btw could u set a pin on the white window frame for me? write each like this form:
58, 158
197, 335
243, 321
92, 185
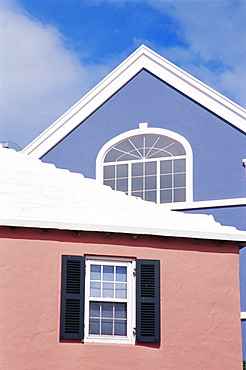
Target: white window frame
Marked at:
144, 129
130, 300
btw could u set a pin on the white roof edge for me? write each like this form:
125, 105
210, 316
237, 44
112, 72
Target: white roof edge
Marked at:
239, 237
217, 203
243, 315
34, 194
142, 58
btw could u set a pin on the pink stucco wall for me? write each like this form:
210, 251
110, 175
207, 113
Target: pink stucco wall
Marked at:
200, 326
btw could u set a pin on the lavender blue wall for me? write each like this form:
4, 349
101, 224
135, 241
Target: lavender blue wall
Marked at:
218, 147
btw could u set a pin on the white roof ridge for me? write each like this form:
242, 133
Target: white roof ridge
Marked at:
142, 58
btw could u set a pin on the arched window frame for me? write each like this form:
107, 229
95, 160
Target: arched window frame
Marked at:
145, 130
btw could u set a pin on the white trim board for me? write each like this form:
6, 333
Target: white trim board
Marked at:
142, 58
218, 203
227, 233
243, 315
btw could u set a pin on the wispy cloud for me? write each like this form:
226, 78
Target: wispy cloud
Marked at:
214, 34
40, 77
210, 43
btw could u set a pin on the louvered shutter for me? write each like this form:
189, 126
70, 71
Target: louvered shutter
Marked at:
72, 297
148, 301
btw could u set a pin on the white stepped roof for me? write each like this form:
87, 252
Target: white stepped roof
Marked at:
36, 194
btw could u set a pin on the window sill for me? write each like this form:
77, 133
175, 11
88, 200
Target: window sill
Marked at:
109, 340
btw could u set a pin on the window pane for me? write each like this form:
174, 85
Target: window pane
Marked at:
141, 151
109, 172
94, 309
95, 272
122, 184
137, 183
94, 326
158, 153
125, 146
150, 140
166, 181
179, 165
176, 149
108, 290
138, 194
179, 180
120, 273
107, 327
95, 289
150, 196
108, 273
137, 169
122, 170
150, 182
166, 196
150, 168
179, 195
110, 183
137, 141
120, 327
112, 155
166, 167
133, 155
107, 309
164, 142
120, 290
120, 310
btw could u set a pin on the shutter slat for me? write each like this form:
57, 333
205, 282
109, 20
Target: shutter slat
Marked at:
72, 297
148, 301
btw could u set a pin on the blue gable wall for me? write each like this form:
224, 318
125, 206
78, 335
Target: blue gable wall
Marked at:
218, 148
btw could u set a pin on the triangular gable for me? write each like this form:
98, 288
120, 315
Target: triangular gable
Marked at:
142, 58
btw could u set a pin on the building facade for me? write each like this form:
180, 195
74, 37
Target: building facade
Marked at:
151, 130
90, 276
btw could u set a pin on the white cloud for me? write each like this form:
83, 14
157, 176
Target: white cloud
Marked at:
214, 34
40, 77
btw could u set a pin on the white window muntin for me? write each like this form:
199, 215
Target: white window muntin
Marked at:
129, 300
146, 160
144, 129
157, 176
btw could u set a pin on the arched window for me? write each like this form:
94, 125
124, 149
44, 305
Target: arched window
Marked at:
150, 163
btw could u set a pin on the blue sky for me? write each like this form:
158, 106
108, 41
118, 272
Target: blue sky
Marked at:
54, 51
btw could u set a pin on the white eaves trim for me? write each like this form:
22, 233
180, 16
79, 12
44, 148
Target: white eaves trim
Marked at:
142, 58
243, 315
225, 234
218, 203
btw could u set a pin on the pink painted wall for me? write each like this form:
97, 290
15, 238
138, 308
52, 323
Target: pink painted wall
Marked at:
200, 326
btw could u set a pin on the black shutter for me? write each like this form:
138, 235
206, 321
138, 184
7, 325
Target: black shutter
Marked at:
72, 297
148, 301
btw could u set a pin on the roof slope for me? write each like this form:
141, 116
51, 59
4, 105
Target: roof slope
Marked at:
36, 194
142, 58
